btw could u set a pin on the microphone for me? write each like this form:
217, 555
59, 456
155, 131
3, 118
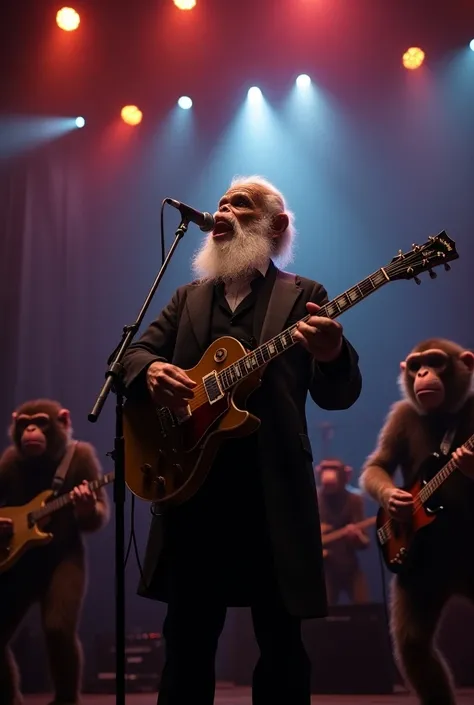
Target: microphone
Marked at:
205, 221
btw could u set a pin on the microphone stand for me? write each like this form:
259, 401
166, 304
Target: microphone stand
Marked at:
114, 382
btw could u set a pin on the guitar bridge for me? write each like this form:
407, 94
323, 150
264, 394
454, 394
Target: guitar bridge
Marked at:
213, 388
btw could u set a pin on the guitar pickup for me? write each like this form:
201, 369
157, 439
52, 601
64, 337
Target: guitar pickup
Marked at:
213, 388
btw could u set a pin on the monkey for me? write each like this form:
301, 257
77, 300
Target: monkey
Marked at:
341, 505
436, 414
54, 575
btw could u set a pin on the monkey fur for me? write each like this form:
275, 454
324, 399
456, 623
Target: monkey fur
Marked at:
340, 505
54, 576
444, 562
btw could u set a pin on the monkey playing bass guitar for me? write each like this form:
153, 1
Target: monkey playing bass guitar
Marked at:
397, 539
167, 457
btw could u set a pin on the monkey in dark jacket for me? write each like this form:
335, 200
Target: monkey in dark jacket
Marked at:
436, 416
53, 575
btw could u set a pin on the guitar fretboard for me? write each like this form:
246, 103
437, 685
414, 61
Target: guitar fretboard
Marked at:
442, 475
259, 357
65, 499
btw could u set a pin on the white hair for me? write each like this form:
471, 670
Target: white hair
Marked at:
275, 204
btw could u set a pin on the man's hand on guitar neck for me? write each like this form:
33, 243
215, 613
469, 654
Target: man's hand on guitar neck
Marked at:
398, 503
321, 336
169, 385
464, 459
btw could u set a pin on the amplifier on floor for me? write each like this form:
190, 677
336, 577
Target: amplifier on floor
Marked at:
349, 651
143, 664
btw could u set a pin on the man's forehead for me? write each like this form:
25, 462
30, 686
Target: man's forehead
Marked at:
255, 191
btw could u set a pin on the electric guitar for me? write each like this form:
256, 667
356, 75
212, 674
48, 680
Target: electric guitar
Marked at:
167, 457
29, 519
328, 536
398, 539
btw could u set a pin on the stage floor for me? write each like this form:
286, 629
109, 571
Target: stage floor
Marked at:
242, 696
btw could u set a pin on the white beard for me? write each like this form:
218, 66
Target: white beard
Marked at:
249, 248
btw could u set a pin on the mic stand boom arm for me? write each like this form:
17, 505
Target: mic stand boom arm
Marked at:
114, 382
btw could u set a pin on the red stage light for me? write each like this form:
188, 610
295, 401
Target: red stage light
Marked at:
67, 19
131, 115
185, 4
413, 58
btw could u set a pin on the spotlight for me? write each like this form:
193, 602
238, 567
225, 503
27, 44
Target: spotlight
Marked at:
303, 81
471, 45
185, 103
254, 94
185, 4
131, 115
413, 58
67, 19
80, 122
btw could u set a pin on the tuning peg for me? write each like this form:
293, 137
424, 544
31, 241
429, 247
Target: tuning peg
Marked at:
432, 274
447, 267
417, 280
415, 246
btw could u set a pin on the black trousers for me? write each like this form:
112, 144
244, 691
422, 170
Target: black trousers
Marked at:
191, 632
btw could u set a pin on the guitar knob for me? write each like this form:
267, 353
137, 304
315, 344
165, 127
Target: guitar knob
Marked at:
145, 468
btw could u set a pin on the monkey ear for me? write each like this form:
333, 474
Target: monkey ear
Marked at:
64, 417
279, 224
403, 366
467, 357
14, 417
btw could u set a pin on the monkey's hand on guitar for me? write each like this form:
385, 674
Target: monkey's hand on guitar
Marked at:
321, 336
83, 499
169, 385
398, 503
465, 461
6, 530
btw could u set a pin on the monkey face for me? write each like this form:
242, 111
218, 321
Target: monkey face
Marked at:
40, 428
427, 370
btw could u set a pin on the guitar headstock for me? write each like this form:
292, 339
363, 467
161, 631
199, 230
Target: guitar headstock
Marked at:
438, 250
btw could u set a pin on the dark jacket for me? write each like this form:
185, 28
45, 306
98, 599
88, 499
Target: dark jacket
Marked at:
181, 335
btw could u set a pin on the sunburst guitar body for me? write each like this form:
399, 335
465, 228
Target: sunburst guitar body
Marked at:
168, 458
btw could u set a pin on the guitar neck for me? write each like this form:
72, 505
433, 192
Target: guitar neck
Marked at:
339, 533
258, 358
442, 475
65, 499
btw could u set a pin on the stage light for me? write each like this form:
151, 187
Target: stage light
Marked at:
185, 103
413, 58
303, 81
80, 122
67, 19
131, 115
471, 45
254, 94
185, 4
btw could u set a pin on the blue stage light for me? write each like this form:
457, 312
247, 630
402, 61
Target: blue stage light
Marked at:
80, 122
254, 93
471, 45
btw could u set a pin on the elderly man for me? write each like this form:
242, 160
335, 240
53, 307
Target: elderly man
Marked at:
251, 535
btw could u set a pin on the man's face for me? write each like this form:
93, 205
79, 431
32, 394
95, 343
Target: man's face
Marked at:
239, 208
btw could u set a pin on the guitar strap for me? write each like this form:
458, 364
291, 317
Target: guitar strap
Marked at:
63, 468
447, 441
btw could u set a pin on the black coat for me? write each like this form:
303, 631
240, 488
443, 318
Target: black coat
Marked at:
180, 335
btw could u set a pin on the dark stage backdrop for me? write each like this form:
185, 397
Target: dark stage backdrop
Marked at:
377, 159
